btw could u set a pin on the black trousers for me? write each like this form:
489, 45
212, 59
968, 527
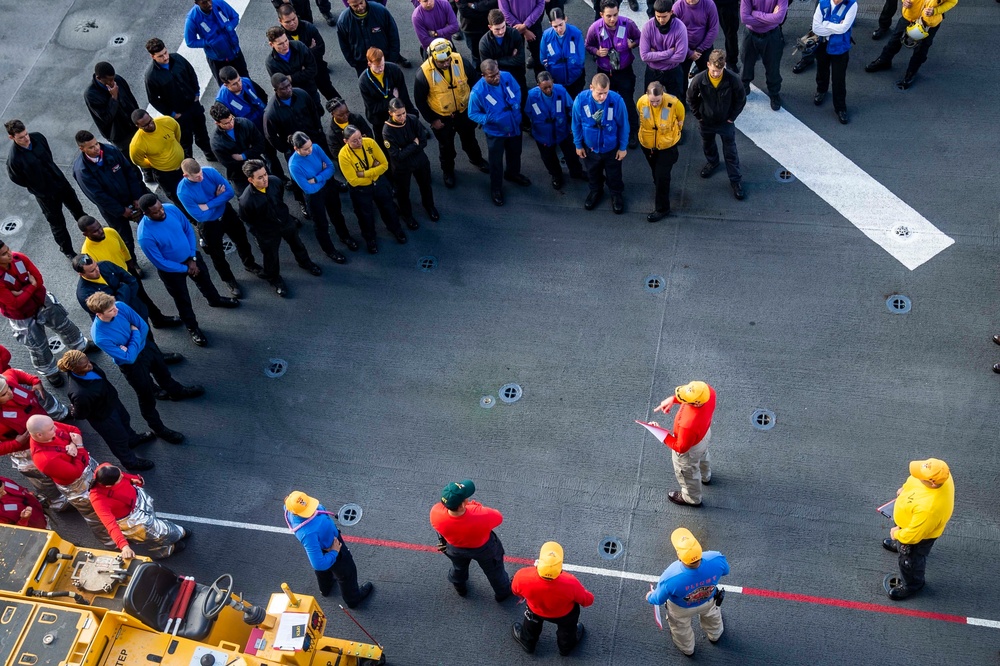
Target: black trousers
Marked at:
601, 167
623, 83
533, 49
155, 314
550, 158
176, 285
894, 45
472, 39
674, 80
366, 199
889, 10
913, 561
149, 365
169, 180
230, 225
345, 572
325, 209
726, 132
194, 130
323, 82
701, 64
565, 628
836, 65
661, 162
401, 183
499, 147
124, 228
269, 246
577, 86
489, 557
117, 432
52, 205
466, 130
767, 46
239, 63
729, 24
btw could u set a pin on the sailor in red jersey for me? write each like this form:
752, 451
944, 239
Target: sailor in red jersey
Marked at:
551, 595
689, 441
17, 404
126, 511
58, 453
20, 507
465, 533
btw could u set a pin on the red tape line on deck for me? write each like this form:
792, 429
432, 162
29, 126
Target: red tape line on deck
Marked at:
853, 605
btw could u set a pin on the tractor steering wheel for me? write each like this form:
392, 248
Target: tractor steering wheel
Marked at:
218, 596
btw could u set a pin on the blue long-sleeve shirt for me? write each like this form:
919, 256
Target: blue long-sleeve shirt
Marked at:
497, 108
191, 194
167, 243
248, 104
550, 115
602, 127
317, 537
688, 587
565, 56
111, 335
303, 168
215, 32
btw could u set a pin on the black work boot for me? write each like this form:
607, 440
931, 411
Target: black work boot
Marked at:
526, 645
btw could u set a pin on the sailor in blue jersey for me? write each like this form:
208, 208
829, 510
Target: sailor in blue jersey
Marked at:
689, 587
317, 531
600, 133
211, 25
495, 104
550, 109
563, 52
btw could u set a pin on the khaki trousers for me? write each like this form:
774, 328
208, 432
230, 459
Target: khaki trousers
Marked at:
691, 467
679, 621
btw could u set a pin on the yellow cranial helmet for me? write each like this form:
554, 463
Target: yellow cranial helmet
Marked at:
693, 393
440, 49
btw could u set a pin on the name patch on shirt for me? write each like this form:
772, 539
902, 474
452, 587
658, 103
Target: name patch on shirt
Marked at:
10, 415
572, 47
10, 507
558, 106
490, 99
19, 393
552, 51
20, 267
204, 26
537, 110
510, 92
237, 105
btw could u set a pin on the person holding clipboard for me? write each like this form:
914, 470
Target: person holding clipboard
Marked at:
923, 506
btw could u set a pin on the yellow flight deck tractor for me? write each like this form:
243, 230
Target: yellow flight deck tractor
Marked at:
61, 605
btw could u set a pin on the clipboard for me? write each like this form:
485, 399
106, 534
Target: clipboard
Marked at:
886, 509
657, 616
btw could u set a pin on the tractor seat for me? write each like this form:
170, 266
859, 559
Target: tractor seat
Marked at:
151, 593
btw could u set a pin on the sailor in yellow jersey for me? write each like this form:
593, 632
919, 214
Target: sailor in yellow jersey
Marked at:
441, 93
923, 507
917, 25
661, 119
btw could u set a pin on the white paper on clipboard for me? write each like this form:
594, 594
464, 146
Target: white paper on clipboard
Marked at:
656, 612
886, 509
291, 634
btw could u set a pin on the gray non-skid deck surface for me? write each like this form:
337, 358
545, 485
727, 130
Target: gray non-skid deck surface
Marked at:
777, 301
